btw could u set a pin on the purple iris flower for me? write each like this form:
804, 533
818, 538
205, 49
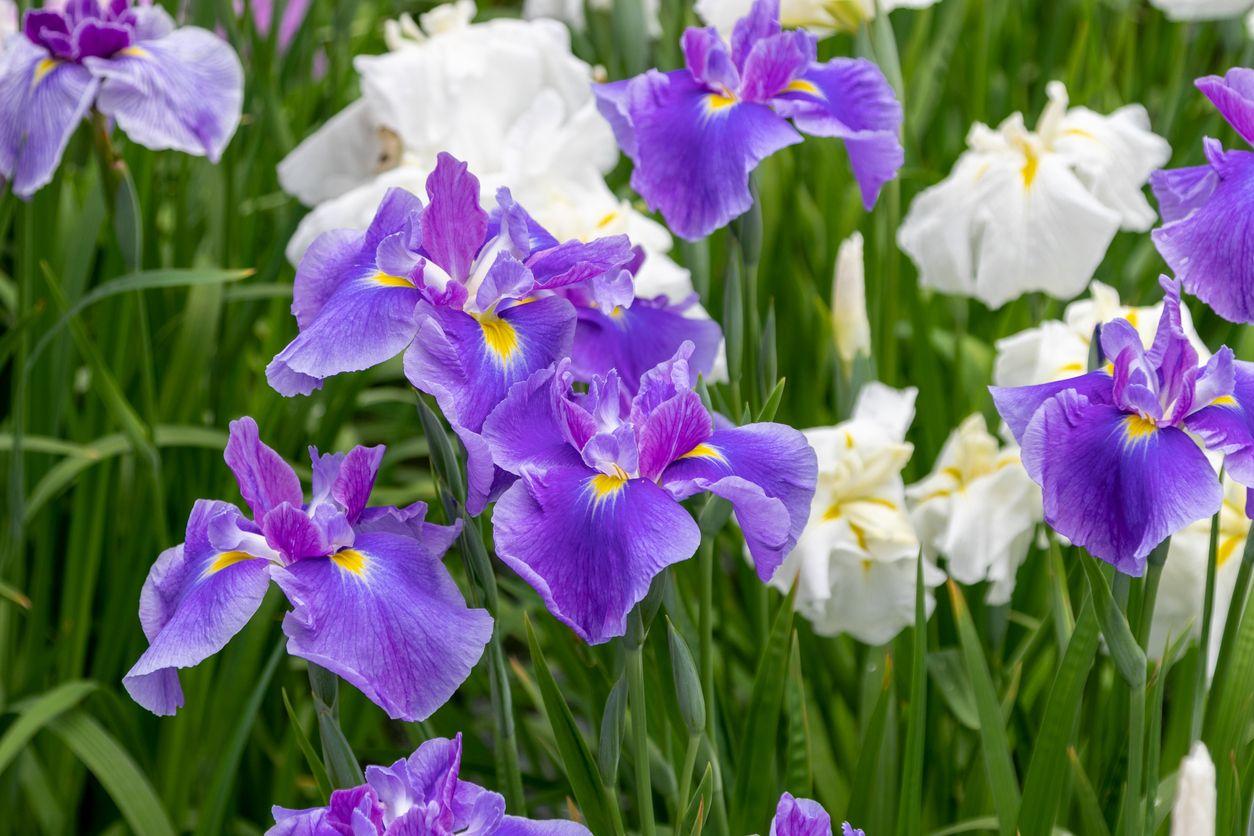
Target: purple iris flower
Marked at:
477, 303
594, 515
696, 134
165, 87
421, 794
805, 817
371, 600
294, 12
1112, 449
1208, 210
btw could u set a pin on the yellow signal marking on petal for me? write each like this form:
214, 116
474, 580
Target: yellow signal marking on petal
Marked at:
1133, 316
1030, 164
136, 52
1137, 428
717, 101
1071, 367
1224, 400
704, 451
607, 219
1227, 548
800, 85
500, 336
388, 280
835, 510
42, 69
225, 560
350, 560
1078, 132
604, 486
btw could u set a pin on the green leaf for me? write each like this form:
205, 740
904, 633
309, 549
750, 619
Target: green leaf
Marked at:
755, 790
911, 802
997, 761
946, 670
871, 745
1086, 798
1046, 779
36, 713
577, 760
1127, 654
316, 768
116, 771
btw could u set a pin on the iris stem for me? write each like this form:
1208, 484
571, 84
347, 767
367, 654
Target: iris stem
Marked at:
640, 733
342, 766
1208, 609
685, 778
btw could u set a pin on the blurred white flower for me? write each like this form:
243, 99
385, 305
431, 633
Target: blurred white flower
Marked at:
854, 564
1058, 349
571, 12
1026, 211
822, 17
1202, 9
1182, 587
978, 508
850, 325
1193, 813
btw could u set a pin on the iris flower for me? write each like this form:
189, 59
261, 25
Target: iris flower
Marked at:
476, 302
165, 87
1208, 234
421, 794
696, 134
370, 598
1113, 450
595, 513
805, 817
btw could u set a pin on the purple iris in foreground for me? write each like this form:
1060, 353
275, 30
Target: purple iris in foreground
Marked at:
420, 794
477, 302
1208, 210
165, 87
1112, 449
804, 817
595, 513
696, 134
371, 600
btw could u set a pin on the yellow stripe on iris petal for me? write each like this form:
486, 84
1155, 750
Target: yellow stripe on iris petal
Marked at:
717, 101
1224, 400
1137, 428
226, 560
604, 486
42, 69
704, 451
499, 336
388, 280
800, 85
136, 52
350, 560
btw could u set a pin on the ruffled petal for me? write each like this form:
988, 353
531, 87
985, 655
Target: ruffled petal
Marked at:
196, 597
42, 100
1111, 483
1233, 96
800, 817
1017, 404
590, 544
265, 479
454, 224
1181, 190
184, 91
388, 618
524, 431
518, 826
1226, 425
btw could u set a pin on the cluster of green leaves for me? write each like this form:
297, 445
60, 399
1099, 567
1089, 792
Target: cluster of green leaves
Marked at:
134, 330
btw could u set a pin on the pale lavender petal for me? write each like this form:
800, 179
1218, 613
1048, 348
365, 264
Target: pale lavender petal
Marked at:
1111, 482
507, 278
387, 617
453, 224
589, 544
1233, 96
613, 103
42, 100
183, 92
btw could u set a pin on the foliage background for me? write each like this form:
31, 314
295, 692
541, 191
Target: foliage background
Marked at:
114, 420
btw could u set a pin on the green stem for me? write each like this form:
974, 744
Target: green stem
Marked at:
342, 766
685, 778
1134, 808
1152, 579
640, 734
1208, 608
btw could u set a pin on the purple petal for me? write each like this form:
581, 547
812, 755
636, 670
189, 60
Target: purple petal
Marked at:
517, 826
1017, 404
310, 822
265, 479
574, 262
410, 521
767, 471
635, 339
98, 39
849, 98
42, 100
42, 26
507, 278
524, 430
695, 150
761, 23
1181, 190
1226, 424
196, 597
773, 63
800, 817
454, 224
1113, 483
1212, 248
1233, 96
387, 617
183, 92
590, 544
671, 430
707, 58
613, 104
355, 480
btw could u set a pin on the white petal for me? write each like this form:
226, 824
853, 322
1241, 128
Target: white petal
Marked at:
890, 409
1193, 813
338, 157
1202, 9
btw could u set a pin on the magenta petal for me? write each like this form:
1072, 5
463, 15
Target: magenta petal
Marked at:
590, 545
1113, 485
184, 92
196, 597
265, 479
387, 617
42, 100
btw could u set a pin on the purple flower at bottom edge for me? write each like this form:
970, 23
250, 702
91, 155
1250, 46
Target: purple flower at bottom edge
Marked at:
421, 794
595, 514
371, 600
166, 88
805, 817
1208, 211
696, 134
1113, 449
476, 302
